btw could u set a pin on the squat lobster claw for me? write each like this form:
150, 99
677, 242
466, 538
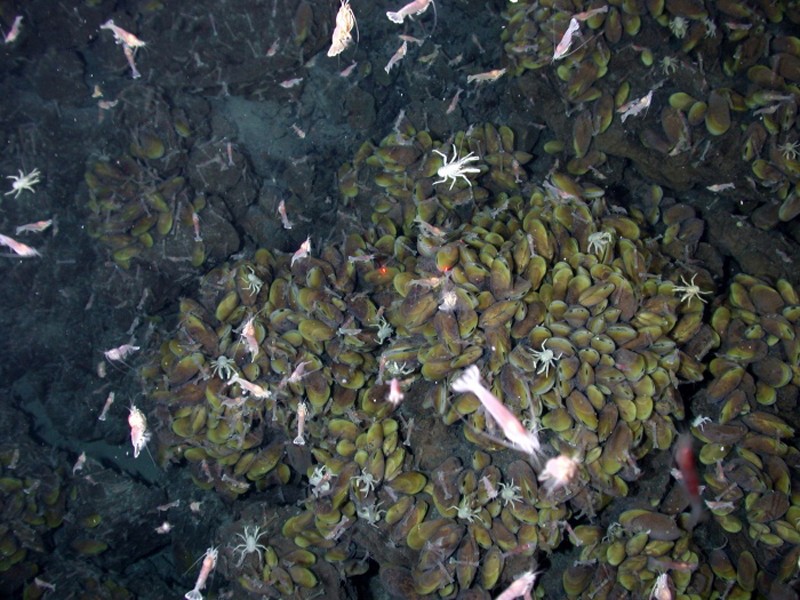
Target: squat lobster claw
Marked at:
456, 167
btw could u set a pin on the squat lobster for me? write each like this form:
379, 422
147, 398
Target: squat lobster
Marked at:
453, 168
250, 544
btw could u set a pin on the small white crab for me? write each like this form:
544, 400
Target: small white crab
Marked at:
371, 513
250, 545
544, 359
598, 241
790, 150
223, 367
689, 290
700, 422
23, 182
711, 28
669, 64
679, 26
396, 369
364, 483
465, 511
254, 283
510, 493
385, 330
454, 168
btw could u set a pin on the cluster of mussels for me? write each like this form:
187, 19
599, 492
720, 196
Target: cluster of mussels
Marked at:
139, 199
42, 508
33, 506
142, 204
279, 371
735, 48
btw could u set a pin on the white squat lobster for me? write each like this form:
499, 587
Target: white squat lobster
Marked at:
454, 168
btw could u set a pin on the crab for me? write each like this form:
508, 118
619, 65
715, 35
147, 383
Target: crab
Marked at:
23, 182
669, 64
689, 290
544, 359
598, 241
250, 545
454, 168
465, 511
790, 150
711, 28
398, 369
223, 367
384, 330
700, 422
254, 283
679, 26
509, 493
364, 483
371, 513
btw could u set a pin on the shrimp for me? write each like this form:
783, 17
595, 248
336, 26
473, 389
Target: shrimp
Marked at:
126, 38
18, 247
684, 457
250, 387
520, 588
287, 224
396, 57
302, 252
341, 37
487, 77
139, 434
249, 336
129, 56
395, 396
79, 464
15, 30
196, 227
209, 562
417, 7
106, 406
302, 413
562, 49
120, 353
36, 227
515, 432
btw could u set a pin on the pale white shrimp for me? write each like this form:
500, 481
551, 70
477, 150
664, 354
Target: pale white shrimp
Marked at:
139, 434
302, 252
120, 353
302, 412
515, 432
209, 562
416, 7
341, 37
